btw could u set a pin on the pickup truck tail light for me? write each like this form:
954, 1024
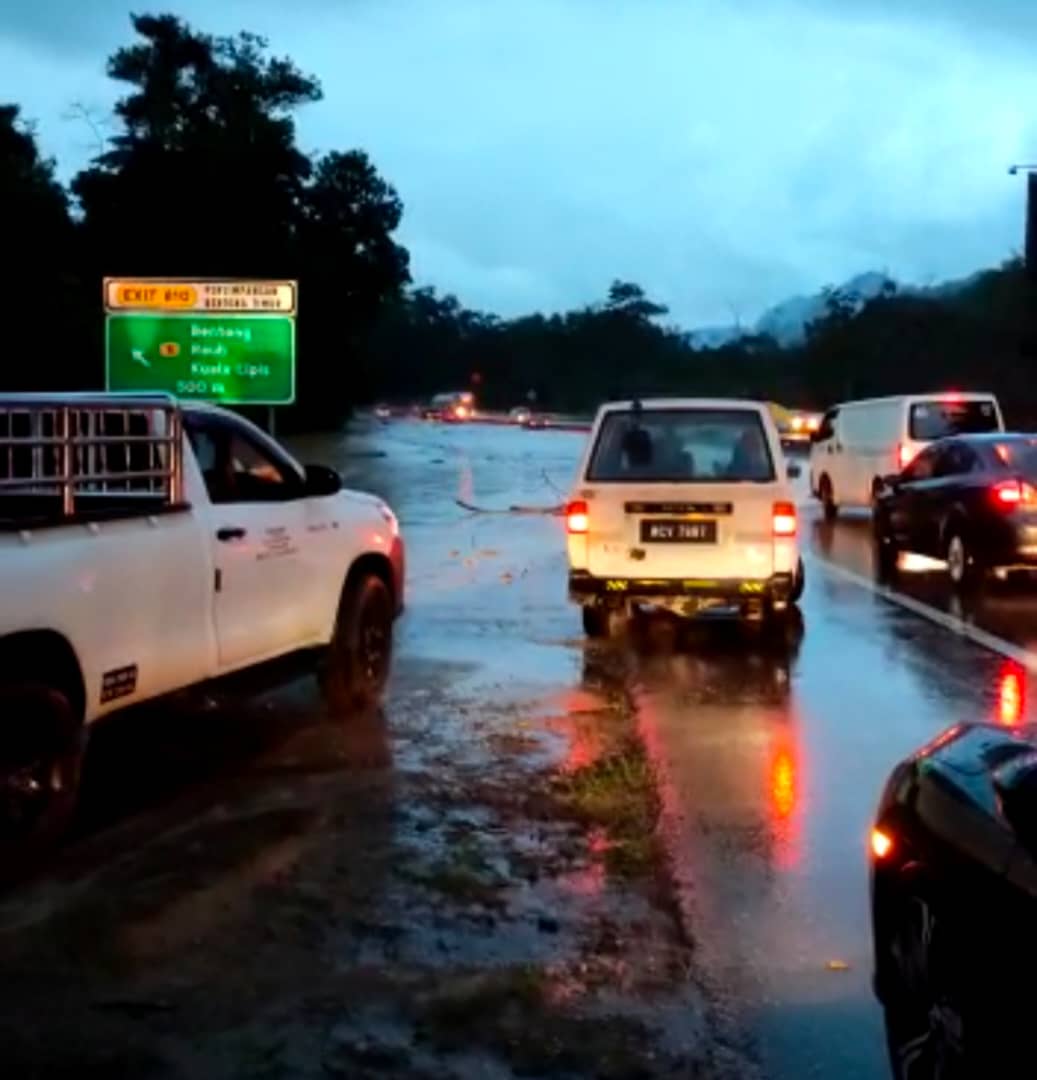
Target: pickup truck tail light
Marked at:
577, 519
905, 455
784, 519
1012, 493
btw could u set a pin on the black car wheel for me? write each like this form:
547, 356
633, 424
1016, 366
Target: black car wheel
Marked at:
887, 553
925, 1019
597, 622
361, 651
963, 567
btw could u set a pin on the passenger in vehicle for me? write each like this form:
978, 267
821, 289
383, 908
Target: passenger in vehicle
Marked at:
750, 460
674, 461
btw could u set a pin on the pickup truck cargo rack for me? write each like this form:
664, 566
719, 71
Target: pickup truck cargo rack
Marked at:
70, 456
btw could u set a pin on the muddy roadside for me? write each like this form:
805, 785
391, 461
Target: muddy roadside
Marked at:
479, 892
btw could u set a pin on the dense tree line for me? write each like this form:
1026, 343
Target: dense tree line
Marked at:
897, 342
204, 178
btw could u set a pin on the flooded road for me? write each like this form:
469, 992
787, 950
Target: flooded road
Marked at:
769, 759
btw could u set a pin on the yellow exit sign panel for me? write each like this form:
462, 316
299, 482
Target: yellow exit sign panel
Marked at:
244, 297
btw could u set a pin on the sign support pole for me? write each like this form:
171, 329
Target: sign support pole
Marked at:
271, 426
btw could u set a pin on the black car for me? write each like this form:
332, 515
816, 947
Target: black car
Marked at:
970, 500
954, 905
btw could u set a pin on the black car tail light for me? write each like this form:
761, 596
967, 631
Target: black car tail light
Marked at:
1009, 494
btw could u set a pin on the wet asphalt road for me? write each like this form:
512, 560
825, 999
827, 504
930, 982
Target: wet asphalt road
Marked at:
770, 759
772, 762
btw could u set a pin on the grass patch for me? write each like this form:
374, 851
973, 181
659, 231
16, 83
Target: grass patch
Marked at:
509, 1013
463, 875
618, 793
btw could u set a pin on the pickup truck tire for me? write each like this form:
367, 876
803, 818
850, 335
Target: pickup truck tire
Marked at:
597, 622
360, 655
41, 758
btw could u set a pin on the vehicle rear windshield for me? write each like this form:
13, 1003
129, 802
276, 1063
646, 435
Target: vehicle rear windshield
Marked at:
1019, 455
939, 419
683, 446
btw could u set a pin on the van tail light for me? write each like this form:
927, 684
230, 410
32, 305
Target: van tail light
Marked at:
1012, 493
785, 519
905, 455
577, 520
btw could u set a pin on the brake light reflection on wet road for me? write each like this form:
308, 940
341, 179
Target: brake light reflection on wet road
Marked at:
1011, 694
785, 783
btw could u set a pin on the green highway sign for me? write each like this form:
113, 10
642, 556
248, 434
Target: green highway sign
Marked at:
230, 358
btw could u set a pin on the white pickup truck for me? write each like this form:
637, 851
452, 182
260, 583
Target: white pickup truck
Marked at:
147, 547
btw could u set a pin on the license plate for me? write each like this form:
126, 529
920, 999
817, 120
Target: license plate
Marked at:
679, 532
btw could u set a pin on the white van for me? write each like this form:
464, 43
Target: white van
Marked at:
860, 442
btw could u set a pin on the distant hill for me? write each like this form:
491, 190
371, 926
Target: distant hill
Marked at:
787, 322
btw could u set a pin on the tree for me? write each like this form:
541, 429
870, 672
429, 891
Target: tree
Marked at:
42, 289
204, 176
629, 300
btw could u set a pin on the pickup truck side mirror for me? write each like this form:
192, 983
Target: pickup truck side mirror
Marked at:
793, 471
322, 480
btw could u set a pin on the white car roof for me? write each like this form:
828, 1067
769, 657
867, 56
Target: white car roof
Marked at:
687, 403
936, 395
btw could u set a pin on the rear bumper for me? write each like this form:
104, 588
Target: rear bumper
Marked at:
745, 595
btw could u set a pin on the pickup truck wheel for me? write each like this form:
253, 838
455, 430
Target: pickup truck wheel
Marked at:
41, 757
597, 622
361, 650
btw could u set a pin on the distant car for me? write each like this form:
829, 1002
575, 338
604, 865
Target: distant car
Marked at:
685, 505
796, 428
537, 422
451, 408
954, 902
520, 415
800, 429
457, 413
383, 412
970, 501
859, 442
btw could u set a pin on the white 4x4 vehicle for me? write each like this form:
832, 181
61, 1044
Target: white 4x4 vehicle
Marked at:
148, 547
683, 504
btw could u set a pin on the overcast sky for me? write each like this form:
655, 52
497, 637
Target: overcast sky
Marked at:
723, 153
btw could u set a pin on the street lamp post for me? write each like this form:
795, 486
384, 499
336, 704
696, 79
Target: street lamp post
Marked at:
1030, 249
1028, 328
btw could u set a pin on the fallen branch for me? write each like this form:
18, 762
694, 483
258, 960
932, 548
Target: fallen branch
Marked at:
546, 511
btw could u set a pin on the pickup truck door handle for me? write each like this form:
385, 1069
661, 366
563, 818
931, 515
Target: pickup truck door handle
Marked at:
230, 533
